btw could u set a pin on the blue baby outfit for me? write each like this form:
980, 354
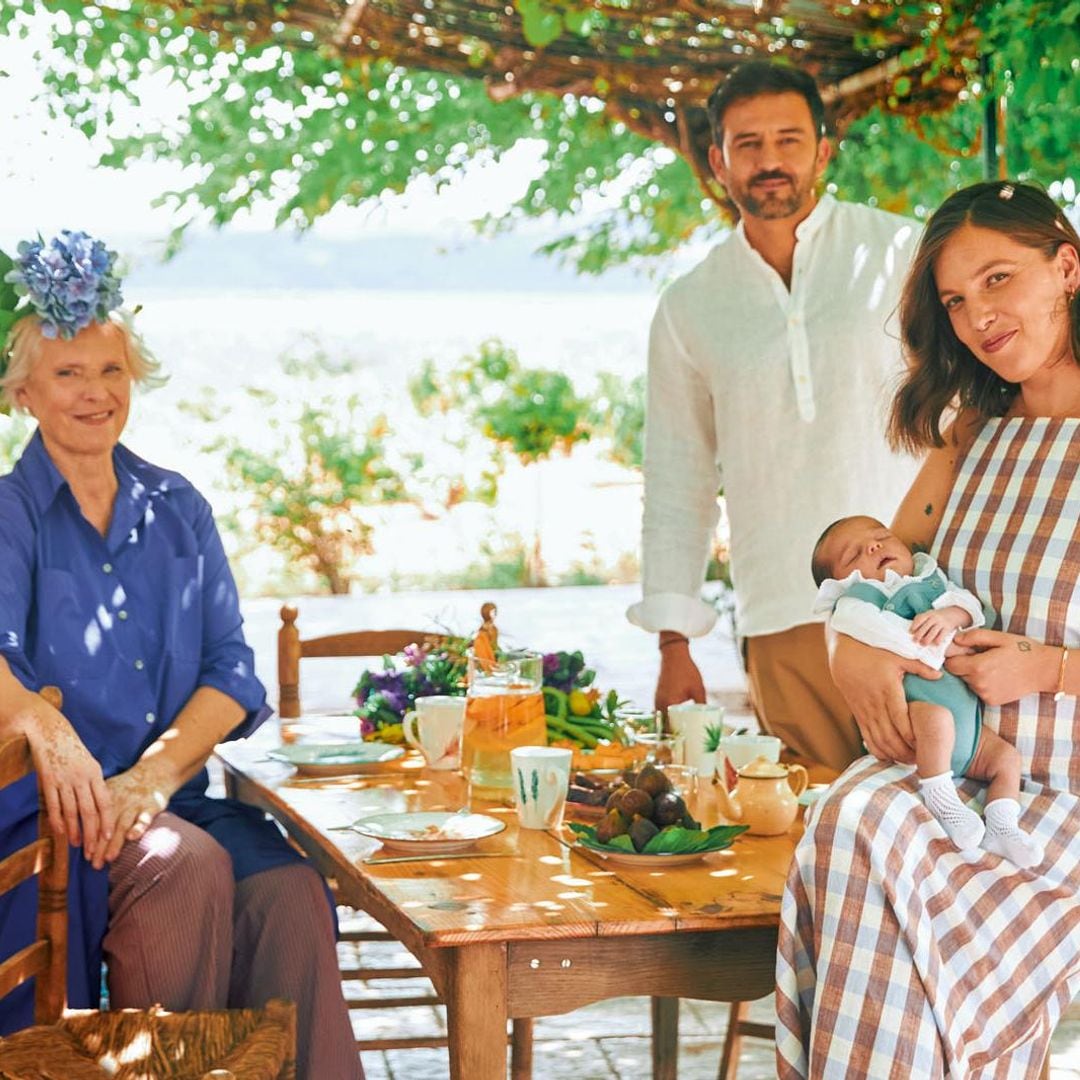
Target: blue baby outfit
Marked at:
911, 599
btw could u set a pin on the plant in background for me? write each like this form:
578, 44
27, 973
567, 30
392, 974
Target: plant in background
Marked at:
528, 412
619, 417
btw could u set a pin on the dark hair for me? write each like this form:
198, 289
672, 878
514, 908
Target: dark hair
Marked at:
757, 77
817, 564
941, 369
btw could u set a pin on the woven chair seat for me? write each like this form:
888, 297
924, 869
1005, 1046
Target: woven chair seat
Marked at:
132, 1044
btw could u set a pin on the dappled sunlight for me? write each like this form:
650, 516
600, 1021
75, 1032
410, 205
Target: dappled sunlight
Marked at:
160, 843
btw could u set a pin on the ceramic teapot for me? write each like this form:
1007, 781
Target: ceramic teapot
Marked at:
766, 797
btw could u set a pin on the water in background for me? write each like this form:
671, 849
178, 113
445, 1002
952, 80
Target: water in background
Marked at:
589, 509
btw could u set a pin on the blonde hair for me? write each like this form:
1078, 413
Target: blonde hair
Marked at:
24, 347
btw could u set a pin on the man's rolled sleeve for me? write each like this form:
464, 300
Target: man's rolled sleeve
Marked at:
682, 480
228, 664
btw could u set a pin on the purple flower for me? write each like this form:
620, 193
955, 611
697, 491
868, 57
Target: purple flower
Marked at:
552, 663
415, 655
367, 727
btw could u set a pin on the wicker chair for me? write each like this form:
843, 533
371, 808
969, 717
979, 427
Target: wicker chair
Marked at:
126, 1044
372, 643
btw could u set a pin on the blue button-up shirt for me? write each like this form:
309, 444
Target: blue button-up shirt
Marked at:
128, 625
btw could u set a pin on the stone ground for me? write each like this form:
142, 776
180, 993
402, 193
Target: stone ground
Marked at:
609, 1040
606, 1041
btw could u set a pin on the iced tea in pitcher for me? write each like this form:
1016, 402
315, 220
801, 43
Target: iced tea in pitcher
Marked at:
505, 709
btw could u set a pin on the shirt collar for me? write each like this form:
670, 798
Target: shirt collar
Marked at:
804, 231
137, 480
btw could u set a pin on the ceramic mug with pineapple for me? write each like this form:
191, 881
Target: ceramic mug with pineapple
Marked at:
700, 726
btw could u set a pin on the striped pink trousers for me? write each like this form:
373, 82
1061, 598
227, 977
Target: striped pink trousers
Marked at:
184, 934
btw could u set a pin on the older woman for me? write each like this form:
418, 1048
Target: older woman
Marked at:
116, 589
899, 955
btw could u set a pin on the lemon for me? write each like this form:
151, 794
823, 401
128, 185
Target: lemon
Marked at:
580, 703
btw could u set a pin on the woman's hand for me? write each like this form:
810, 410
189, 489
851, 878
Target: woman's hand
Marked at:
138, 796
871, 681
76, 795
680, 679
1004, 667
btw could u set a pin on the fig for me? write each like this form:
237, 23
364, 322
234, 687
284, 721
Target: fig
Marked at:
635, 803
652, 781
642, 830
668, 808
616, 795
689, 822
612, 824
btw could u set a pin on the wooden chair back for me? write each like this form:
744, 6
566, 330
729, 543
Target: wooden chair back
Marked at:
292, 649
46, 858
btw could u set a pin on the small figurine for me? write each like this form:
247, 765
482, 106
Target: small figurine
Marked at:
488, 628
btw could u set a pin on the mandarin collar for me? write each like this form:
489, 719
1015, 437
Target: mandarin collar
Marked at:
806, 228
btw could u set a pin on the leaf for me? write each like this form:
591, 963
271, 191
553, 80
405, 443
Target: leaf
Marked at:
541, 24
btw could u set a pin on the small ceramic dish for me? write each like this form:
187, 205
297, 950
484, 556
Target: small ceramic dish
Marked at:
337, 759
429, 833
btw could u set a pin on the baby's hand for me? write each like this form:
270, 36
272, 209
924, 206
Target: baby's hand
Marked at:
932, 627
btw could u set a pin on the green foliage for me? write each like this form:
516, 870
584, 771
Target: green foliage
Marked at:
299, 126
305, 491
529, 412
15, 432
619, 416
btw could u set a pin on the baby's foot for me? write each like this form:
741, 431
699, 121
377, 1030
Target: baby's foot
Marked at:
963, 826
1003, 836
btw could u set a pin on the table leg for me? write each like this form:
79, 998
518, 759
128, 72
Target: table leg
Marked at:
665, 1038
476, 1012
521, 1050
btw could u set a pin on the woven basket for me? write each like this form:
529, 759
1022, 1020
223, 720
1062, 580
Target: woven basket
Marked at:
130, 1044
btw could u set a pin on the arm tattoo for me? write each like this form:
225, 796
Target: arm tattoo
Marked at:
1024, 646
928, 509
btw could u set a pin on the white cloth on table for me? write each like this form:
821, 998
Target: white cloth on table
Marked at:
784, 393
899, 956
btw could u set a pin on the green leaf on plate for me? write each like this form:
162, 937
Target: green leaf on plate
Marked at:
673, 840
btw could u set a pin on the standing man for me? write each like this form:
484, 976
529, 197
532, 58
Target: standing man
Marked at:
770, 372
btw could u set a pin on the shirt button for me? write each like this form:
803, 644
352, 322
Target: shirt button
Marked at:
150, 717
139, 665
107, 568
121, 614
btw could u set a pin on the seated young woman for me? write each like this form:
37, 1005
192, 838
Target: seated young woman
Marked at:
116, 589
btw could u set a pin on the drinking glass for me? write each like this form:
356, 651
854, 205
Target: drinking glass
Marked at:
504, 709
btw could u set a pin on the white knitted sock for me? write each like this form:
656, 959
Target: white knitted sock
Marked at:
1004, 838
964, 826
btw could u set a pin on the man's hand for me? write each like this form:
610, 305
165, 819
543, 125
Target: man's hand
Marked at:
931, 627
1004, 667
871, 681
76, 796
679, 678
138, 795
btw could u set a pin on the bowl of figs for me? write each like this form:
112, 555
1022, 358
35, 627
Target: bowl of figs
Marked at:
646, 823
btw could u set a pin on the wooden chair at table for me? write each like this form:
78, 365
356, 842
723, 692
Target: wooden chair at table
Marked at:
247, 1044
375, 643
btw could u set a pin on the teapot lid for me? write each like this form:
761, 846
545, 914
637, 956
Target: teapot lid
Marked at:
761, 768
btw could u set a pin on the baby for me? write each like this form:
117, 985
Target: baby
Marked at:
880, 593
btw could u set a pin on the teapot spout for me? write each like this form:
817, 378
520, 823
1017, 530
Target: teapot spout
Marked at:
728, 804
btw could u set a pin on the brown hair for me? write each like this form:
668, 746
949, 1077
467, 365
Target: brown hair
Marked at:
756, 77
942, 371
818, 567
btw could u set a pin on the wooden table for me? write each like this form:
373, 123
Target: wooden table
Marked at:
544, 930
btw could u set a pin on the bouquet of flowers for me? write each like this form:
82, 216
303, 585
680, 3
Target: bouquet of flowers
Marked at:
384, 697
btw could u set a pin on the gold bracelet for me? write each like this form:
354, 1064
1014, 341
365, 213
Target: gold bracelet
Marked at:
1060, 692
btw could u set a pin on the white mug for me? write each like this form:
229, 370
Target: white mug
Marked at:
740, 750
434, 728
691, 720
541, 776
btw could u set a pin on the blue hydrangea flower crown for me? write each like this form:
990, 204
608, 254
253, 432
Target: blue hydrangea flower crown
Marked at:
68, 282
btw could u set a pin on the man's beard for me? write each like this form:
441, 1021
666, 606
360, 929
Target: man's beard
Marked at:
775, 204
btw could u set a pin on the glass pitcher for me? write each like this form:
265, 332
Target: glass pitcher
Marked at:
504, 709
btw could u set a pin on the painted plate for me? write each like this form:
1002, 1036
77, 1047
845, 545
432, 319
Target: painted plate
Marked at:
646, 862
337, 759
429, 833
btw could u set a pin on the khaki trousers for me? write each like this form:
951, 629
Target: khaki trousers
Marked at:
184, 934
795, 698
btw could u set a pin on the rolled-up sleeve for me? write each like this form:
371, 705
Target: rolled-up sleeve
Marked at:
16, 585
682, 481
227, 663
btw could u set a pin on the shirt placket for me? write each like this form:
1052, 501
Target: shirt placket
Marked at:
798, 341
130, 643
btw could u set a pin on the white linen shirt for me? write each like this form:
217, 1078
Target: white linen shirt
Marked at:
886, 629
782, 396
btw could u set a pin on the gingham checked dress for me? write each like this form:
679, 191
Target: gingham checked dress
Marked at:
900, 957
